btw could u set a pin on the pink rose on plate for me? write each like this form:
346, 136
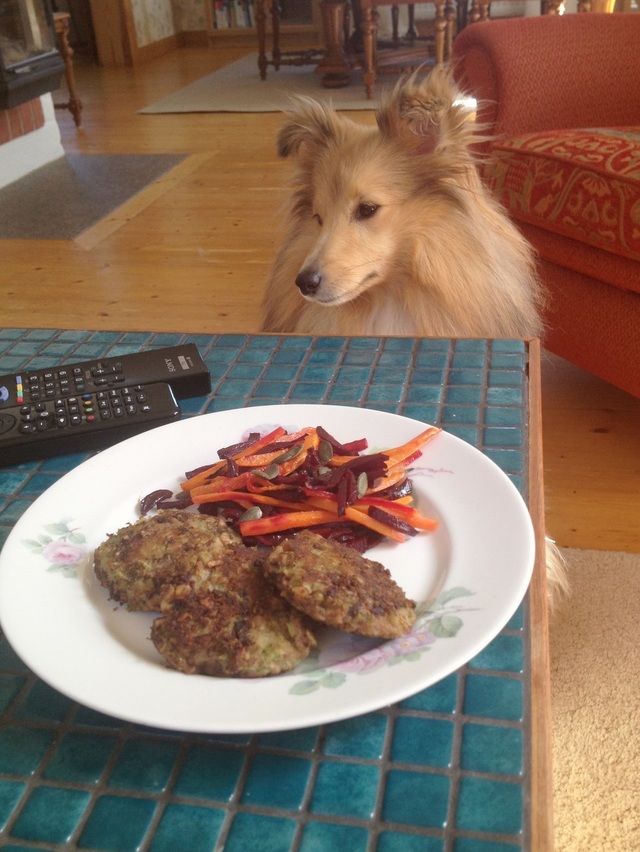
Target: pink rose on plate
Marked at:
381, 655
64, 552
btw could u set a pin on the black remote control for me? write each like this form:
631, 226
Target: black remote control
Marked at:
89, 421
180, 366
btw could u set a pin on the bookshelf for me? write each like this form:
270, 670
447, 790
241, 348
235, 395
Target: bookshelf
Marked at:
236, 19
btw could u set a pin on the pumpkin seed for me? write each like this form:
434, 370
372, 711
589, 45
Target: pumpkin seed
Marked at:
252, 514
289, 454
325, 451
269, 472
362, 484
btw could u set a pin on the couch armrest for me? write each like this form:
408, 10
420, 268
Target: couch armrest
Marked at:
551, 72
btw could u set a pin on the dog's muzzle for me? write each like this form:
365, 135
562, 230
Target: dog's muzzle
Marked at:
308, 282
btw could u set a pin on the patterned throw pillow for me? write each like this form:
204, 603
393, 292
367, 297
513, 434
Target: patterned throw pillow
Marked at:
583, 184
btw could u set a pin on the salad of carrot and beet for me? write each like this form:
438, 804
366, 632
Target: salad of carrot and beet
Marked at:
270, 486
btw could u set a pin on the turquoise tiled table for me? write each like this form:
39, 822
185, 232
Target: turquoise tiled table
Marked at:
461, 766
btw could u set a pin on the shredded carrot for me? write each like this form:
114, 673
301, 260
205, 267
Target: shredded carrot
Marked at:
332, 503
285, 521
199, 478
244, 498
404, 451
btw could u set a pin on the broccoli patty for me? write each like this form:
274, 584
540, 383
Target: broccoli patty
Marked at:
137, 562
232, 625
336, 585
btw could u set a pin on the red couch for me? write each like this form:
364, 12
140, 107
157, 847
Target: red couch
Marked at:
560, 98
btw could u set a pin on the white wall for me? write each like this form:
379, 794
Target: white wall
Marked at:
27, 153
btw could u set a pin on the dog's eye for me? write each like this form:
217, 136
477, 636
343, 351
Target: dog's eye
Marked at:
366, 210
318, 219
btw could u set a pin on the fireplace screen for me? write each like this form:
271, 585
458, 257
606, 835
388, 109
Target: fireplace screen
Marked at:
30, 61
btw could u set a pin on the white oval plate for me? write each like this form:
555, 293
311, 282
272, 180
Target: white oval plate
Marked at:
468, 578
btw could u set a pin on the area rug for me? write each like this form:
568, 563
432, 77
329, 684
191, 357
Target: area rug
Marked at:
238, 88
595, 670
64, 198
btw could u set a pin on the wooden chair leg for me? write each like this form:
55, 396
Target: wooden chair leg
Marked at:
275, 30
450, 15
261, 19
440, 26
395, 15
412, 32
369, 22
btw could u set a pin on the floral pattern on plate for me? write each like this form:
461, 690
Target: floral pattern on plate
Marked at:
62, 545
439, 621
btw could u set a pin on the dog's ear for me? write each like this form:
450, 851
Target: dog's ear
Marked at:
423, 114
310, 124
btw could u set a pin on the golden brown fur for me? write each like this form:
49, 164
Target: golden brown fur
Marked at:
390, 230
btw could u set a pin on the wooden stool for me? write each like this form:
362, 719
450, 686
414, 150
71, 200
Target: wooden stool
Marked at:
74, 105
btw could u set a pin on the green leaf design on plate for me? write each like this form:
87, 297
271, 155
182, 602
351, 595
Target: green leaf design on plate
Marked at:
449, 595
58, 529
445, 626
304, 687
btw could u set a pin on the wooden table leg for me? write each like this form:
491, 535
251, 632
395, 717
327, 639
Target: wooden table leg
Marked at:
261, 19
335, 64
74, 105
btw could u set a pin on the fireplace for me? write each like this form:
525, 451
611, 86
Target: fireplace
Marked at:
30, 62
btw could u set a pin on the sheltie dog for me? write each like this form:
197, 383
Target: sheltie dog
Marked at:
390, 230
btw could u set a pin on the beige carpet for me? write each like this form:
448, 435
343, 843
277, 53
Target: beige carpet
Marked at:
595, 681
238, 88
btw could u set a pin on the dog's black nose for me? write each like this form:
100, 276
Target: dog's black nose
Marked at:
308, 282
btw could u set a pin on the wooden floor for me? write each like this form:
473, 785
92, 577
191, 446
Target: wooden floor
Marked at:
191, 254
